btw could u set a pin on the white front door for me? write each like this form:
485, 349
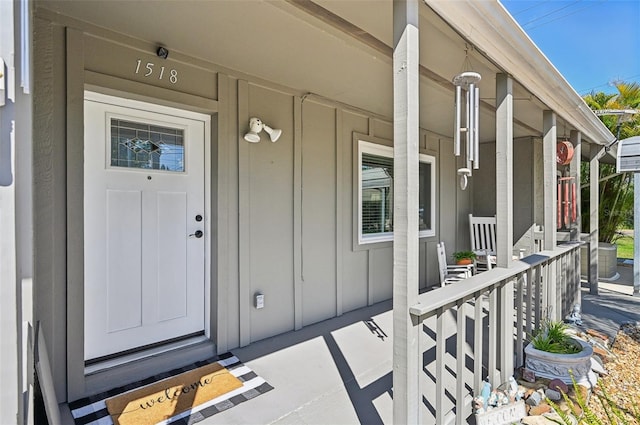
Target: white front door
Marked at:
144, 233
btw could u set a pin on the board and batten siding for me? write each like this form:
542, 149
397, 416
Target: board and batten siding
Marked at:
318, 212
266, 214
297, 210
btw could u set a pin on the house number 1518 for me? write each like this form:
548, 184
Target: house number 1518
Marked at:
149, 70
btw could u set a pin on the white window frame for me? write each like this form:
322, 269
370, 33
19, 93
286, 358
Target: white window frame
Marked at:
365, 147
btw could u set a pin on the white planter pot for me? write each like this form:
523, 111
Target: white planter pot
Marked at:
607, 261
553, 365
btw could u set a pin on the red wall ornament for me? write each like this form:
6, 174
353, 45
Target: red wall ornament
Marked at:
564, 152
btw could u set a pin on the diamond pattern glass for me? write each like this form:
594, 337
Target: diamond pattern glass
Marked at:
146, 146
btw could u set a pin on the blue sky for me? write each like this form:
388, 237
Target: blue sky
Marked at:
591, 42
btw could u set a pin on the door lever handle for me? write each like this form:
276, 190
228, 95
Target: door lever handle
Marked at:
198, 234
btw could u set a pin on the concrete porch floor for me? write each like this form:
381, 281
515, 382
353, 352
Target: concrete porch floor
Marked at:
339, 371
334, 372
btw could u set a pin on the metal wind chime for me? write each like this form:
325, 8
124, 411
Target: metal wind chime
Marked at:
467, 106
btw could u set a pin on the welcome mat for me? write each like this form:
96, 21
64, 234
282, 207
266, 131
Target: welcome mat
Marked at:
164, 399
182, 396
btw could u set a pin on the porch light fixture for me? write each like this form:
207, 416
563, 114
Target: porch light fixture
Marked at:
467, 103
256, 126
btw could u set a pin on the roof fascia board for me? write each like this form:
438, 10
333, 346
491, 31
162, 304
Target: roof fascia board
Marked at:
491, 30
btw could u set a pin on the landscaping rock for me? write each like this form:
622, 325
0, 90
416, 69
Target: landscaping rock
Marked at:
557, 419
599, 335
559, 386
602, 350
598, 359
547, 419
553, 395
537, 420
534, 399
540, 410
583, 393
602, 353
597, 367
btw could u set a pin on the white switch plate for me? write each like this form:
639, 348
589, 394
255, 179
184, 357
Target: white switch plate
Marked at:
259, 300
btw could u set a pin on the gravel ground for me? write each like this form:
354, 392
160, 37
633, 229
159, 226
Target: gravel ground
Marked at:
623, 382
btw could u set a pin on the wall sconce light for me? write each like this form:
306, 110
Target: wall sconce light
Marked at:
256, 126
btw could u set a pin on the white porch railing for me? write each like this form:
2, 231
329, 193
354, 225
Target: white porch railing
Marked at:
476, 328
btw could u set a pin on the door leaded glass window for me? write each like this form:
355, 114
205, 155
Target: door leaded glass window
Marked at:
146, 146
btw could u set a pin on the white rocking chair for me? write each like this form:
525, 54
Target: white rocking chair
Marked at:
451, 273
483, 240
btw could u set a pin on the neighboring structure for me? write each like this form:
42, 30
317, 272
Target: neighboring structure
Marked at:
135, 219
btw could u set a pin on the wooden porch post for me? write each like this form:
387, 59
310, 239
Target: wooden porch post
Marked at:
504, 215
504, 169
574, 170
594, 201
549, 142
406, 60
550, 179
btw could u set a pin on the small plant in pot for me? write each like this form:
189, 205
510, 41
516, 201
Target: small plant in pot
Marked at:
553, 338
553, 353
464, 257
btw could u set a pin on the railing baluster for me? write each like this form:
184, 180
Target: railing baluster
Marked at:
505, 338
561, 278
493, 333
561, 291
577, 270
441, 339
461, 319
546, 274
477, 343
530, 284
537, 285
519, 319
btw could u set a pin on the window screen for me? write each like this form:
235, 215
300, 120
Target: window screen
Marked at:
377, 194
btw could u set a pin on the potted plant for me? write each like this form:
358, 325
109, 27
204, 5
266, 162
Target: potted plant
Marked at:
464, 257
553, 353
553, 338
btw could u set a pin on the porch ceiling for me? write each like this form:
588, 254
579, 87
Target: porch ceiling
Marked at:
340, 50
